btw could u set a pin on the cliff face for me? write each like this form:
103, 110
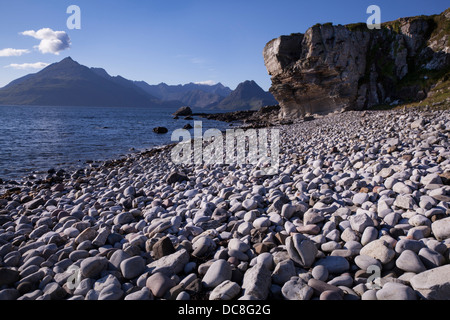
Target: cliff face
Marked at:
332, 68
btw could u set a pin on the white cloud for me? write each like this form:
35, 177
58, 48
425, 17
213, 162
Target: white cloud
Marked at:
51, 41
10, 52
207, 82
198, 61
23, 66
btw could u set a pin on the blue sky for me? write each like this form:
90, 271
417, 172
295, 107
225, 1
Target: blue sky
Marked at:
172, 41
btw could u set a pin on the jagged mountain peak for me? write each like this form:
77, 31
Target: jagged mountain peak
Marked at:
68, 83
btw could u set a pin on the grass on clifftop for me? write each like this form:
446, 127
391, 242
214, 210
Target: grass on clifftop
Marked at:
438, 98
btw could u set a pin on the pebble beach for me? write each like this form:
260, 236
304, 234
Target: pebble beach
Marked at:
359, 210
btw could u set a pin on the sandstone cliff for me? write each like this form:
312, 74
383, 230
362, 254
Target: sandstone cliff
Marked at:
332, 68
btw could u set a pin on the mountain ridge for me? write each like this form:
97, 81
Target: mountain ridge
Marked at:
68, 83
196, 95
247, 95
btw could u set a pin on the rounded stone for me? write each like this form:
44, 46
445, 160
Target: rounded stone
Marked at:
419, 220
321, 286
159, 284
123, 218
111, 292
245, 228
430, 258
55, 291
203, 247
441, 229
71, 232
9, 294
330, 295
92, 267
396, 291
143, 294
227, 290
262, 222
78, 254
249, 204
257, 282
8, 276
320, 272
132, 267
379, 249
297, 289
360, 222
301, 250
163, 247
360, 198
369, 295
87, 234
350, 235
217, 273
266, 259
370, 234
433, 284
364, 262
334, 264
283, 272
409, 261
409, 244
344, 280
311, 229
236, 244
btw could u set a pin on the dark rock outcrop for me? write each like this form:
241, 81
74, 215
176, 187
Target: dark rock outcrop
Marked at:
175, 176
160, 130
332, 68
182, 112
264, 117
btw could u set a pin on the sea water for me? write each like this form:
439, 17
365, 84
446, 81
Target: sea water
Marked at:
34, 139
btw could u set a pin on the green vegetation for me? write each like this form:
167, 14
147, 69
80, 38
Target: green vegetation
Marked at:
423, 78
417, 77
441, 27
360, 26
328, 24
438, 98
393, 25
386, 44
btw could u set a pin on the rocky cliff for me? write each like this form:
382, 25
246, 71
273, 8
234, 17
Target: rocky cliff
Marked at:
335, 67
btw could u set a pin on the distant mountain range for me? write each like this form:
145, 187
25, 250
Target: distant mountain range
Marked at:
68, 83
195, 95
247, 96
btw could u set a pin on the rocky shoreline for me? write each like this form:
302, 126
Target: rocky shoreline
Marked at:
249, 119
358, 210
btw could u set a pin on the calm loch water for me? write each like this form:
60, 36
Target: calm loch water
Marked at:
34, 139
